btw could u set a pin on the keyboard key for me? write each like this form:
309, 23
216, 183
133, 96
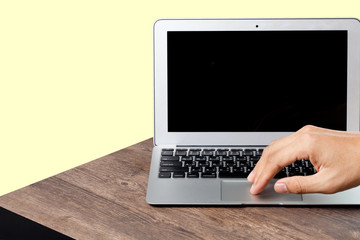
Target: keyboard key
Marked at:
238, 169
193, 175
189, 163
200, 158
208, 175
207, 153
234, 153
230, 163
180, 153
170, 158
203, 163
195, 169
241, 163
209, 149
170, 164
167, 153
187, 159
174, 169
220, 153
308, 170
164, 175
168, 149
215, 163
178, 175
214, 158
228, 159
210, 169
248, 152
241, 158
297, 164
194, 153
224, 169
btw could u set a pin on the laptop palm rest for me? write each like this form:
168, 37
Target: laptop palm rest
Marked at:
235, 190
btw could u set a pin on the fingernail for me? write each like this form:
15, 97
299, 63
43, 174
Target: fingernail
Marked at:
252, 187
250, 178
281, 188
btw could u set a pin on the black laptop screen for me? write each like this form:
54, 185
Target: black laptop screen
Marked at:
256, 81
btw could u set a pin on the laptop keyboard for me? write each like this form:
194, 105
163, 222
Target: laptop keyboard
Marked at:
220, 163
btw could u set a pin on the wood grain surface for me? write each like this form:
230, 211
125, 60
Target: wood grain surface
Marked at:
105, 199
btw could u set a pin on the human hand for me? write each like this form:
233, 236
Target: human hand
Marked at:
334, 154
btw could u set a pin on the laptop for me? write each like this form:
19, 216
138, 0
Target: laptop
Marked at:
225, 88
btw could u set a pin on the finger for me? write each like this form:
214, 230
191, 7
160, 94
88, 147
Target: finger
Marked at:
281, 153
300, 184
277, 144
273, 161
250, 178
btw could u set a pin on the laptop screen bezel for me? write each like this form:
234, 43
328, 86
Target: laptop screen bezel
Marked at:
161, 27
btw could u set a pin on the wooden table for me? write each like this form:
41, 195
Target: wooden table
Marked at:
105, 199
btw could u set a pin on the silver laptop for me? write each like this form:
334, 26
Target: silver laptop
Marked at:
225, 88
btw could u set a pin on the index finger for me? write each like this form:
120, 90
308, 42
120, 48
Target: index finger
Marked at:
274, 158
283, 142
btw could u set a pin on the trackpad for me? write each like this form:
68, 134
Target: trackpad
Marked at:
239, 191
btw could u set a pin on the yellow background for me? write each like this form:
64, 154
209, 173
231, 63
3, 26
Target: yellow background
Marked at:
76, 76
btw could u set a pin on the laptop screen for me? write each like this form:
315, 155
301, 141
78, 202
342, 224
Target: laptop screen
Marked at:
256, 81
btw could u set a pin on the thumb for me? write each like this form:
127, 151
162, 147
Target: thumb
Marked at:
299, 184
